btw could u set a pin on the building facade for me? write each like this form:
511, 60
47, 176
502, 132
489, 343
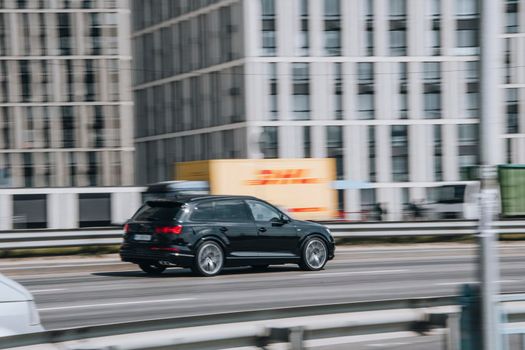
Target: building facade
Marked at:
389, 88
66, 114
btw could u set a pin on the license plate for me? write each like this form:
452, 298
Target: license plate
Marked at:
142, 237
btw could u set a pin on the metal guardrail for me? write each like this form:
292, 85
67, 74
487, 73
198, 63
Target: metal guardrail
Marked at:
107, 236
383, 316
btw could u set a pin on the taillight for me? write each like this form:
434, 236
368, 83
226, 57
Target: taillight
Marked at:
176, 230
126, 228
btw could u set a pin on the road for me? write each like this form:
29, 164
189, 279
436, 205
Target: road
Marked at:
73, 292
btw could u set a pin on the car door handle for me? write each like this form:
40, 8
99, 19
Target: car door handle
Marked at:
223, 229
262, 229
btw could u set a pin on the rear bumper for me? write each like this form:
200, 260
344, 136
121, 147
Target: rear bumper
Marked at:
139, 254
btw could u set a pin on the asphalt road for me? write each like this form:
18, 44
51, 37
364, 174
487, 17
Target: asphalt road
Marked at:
73, 292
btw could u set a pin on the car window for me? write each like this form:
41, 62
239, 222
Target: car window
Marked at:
231, 210
203, 212
158, 211
263, 212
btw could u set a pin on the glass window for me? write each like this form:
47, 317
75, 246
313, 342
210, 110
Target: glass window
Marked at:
512, 111
365, 99
332, 28
301, 91
372, 153
438, 154
203, 211
335, 148
231, 210
468, 148
512, 16
269, 37
94, 209
307, 142
269, 142
303, 43
29, 211
263, 212
158, 211
273, 93
399, 139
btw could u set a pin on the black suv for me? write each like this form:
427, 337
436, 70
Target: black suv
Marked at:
206, 233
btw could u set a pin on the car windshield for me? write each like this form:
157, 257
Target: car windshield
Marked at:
451, 194
158, 211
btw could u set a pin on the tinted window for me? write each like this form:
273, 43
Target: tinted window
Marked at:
234, 210
203, 212
153, 211
263, 212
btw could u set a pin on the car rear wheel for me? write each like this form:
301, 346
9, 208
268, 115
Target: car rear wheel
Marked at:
152, 268
314, 255
209, 259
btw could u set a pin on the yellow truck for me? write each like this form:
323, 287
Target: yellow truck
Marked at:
300, 186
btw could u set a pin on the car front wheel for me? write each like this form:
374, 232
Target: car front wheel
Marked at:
209, 259
314, 255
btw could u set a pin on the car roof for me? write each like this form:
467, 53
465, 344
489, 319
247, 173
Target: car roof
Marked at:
201, 197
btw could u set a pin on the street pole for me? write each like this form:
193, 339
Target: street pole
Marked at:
490, 61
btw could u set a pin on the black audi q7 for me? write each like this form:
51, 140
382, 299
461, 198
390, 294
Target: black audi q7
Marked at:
207, 233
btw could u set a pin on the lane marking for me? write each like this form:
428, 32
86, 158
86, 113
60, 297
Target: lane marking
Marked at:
113, 304
55, 266
471, 282
372, 272
47, 290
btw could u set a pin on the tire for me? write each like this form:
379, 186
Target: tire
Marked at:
314, 255
152, 268
209, 259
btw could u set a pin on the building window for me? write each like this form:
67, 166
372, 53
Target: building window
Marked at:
468, 149
274, 92
365, 98
303, 44
307, 142
472, 89
434, 27
438, 153
301, 91
269, 142
399, 140
25, 81
398, 28
30, 211
432, 89
64, 34
403, 90
510, 77
512, 110
368, 30
372, 153
68, 127
334, 148
467, 25
338, 91
269, 40
332, 27
512, 16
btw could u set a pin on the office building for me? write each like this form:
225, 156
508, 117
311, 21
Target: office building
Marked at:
66, 114
389, 88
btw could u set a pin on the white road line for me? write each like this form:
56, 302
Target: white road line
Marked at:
470, 282
47, 290
55, 266
114, 304
372, 272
